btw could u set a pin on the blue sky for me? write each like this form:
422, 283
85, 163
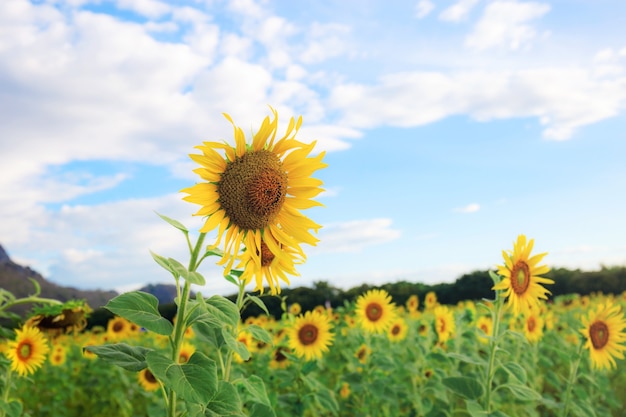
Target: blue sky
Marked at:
450, 127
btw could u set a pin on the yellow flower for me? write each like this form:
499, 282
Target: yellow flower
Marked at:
344, 392
375, 311
397, 330
295, 309
363, 353
310, 335
444, 323
412, 303
485, 325
279, 360
521, 282
58, 355
253, 193
533, 326
605, 331
118, 328
430, 301
186, 350
28, 351
147, 380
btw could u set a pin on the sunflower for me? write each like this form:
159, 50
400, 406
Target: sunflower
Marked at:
485, 327
310, 335
295, 309
344, 391
186, 350
444, 323
521, 282
605, 330
375, 311
279, 359
28, 351
253, 193
118, 328
147, 380
397, 330
412, 303
430, 300
58, 355
363, 353
533, 326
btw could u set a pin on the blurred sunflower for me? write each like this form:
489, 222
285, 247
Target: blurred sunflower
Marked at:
118, 328
310, 335
279, 359
521, 282
363, 353
253, 193
444, 323
295, 309
375, 311
430, 300
397, 330
605, 330
344, 391
147, 380
485, 328
533, 326
58, 355
28, 351
186, 350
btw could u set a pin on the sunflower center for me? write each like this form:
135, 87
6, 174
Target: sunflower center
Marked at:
395, 330
279, 356
252, 189
266, 255
361, 354
484, 328
373, 311
599, 333
118, 327
308, 334
520, 277
183, 358
24, 350
442, 325
531, 324
149, 377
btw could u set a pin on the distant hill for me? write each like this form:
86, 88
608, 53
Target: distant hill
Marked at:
165, 293
15, 278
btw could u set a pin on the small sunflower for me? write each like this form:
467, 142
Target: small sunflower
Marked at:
412, 303
397, 330
485, 328
147, 380
344, 391
605, 330
279, 359
186, 350
521, 282
295, 309
375, 311
28, 351
58, 355
118, 328
444, 323
430, 301
363, 353
310, 335
533, 326
253, 193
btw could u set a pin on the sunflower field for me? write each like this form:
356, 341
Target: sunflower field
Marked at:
519, 354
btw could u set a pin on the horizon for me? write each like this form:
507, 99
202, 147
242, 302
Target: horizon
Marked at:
449, 129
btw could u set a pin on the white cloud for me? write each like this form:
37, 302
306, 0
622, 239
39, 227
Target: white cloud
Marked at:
458, 11
423, 8
148, 8
505, 23
324, 41
470, 208
354, 236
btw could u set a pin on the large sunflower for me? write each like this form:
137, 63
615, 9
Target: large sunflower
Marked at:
310, 335
605, 330
521, 282
375, 311
28, 351
253, 193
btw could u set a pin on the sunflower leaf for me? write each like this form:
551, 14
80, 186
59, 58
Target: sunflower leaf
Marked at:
223, 309
515, 370
142, 309
131, 358
522, 392
260, 333
466, 387
196, 278
226, 402
255, 391
161, 260
194, 381
174, 223
256, 300
235, 345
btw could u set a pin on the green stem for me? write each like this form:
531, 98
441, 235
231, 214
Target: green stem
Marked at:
181, 325
493, 346
229, 355
5, 392
31, 299
572, 380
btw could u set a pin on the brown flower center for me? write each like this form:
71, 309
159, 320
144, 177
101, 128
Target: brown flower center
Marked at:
599, 333
279, 356
520, 277
24, 350
308, 334
118, 326
531, 324
395, 330
149, 377
373, 311
252, 189
266, 255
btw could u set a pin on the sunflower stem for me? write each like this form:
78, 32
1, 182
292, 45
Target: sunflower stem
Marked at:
493, 347
572, 380
31, 299
229, 355
181, 324
5, 391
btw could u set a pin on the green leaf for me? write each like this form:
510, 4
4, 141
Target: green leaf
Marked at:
522, 392
142, 309
260, 333
178, 268
223, 309
235, 345
466, 359
466, 387
256, 300
162, 261
255, 388
495, 277
261, 410
475, 409
326, 399
196, 278
131, 358
12, 408
515, 370
194, 381
226, 401
174, 223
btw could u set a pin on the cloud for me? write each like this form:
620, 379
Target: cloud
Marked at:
423, 8
470, 208
505, 23
149, 8
354, 236
458, 11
